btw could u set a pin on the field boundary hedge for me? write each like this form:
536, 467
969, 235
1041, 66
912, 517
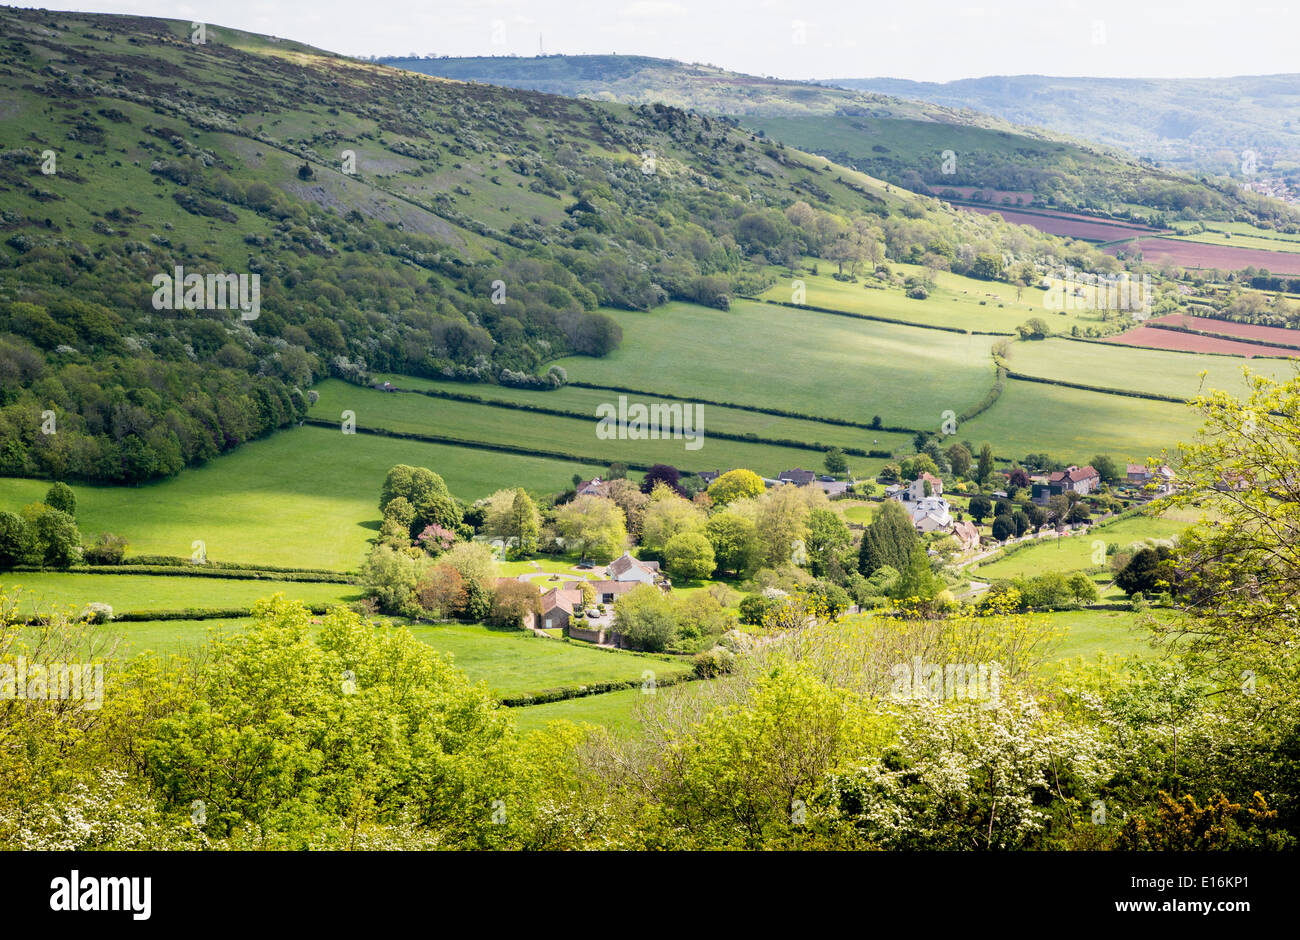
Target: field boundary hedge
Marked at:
879, 319
814, 446
233, 574
1209, 334
564, 693
1103, 390
189, 613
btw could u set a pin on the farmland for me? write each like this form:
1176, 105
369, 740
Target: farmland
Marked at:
815, 364
1078, 552
1150, 371
1074, 425
1067, 224
1156, 338
303, 498
545, 433
1222, 257
1268, 334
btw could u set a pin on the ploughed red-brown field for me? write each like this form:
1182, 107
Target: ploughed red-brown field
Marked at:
1067, 224
1267, 334
1153, 337
1222, 257
994, 197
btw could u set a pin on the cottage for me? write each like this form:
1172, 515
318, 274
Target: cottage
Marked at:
916, 490
558, 605
1161, 478
593, 487
632, 569
1081, 480
967, 535
609, 591
797, 476
708, 476
931, 514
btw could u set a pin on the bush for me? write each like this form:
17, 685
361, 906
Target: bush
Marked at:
718, 661
109, 549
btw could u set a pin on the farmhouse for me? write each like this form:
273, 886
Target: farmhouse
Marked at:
629, 569
916, 490
1073, 479
967, 535
708, 476
558, 605
1161, 478
593, 487
930, 514
609, 591
797, 476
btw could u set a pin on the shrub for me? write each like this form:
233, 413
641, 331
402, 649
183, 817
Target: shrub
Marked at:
109, 549
718, 661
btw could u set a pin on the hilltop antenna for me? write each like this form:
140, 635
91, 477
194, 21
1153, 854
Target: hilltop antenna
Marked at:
539, 45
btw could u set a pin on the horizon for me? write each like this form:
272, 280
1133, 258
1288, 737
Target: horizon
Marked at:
788, 40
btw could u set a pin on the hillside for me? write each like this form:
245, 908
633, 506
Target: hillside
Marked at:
997, 157
396, 222
1202, 125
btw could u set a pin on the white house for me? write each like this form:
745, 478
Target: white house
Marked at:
628, 568
930, 514
915, 491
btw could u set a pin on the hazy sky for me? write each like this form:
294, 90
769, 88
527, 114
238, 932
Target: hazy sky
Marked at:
933, 40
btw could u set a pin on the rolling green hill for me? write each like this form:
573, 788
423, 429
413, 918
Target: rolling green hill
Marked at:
893, 134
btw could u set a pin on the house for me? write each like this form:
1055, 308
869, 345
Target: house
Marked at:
609, 591
915, 491
632, 569
1081, 480
593, 487
833, 487
967, 535
930, 514
708, 476
797, 476
558, 605
1160, 478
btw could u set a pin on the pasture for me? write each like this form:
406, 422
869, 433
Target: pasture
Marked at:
1074, 425
421, 414
806, 362
1153, 371
307, 497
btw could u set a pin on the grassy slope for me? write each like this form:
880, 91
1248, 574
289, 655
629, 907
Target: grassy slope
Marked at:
812, 363
137, 592
1075, 553
584, 401
307, 497
550, 433
1153, 371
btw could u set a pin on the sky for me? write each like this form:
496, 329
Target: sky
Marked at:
924, 40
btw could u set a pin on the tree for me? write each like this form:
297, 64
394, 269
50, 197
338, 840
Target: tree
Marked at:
594, 526
689, 556
828, 540
442, 592
661, 473
985, 470
645, 618
56, 542
426, 492
1022, 522
1082, 588
512, 602
666, 516
15, 541
60, 497
734, 485
109, 549
1003, 527
734, 540
629, 498
835, 462
980, 507
1108, 469
525, 522
915, 579
1078, 513
1018, 478
1149, 571
888, 541
959, 458
390, 577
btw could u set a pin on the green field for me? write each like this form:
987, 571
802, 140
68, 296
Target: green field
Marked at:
1074, 426
421, 414
1075, 552
42, 590
1153, 371
811, 363
306, 498
1087, 633
1243, 235
957, 301
584, 401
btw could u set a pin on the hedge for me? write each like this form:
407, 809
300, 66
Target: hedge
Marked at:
202, 571
879, 319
